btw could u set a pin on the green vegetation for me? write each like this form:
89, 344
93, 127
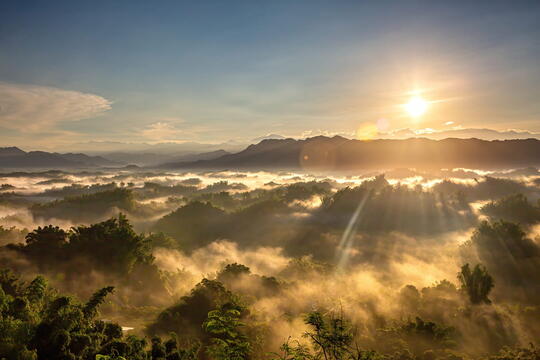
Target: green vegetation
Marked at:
38, 323
477, 283
513, 208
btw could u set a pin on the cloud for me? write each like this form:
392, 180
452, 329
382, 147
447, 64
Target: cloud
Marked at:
319, 132
160, 131
31, 108
457, 132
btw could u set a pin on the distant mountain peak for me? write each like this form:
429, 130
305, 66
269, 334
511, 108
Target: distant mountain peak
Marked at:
13, 157
11, 151
268, 137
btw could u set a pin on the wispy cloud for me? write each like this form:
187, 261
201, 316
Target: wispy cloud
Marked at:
32, 108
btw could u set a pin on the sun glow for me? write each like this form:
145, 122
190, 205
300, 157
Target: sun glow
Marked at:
416, 106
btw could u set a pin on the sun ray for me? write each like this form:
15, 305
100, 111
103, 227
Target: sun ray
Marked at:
346, 242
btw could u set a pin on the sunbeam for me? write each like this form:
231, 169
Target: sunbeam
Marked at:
347, 239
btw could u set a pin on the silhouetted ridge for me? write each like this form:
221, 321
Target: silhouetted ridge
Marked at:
338, 153
13, 157
11, 151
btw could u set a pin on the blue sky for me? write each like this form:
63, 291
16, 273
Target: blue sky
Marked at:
209, 71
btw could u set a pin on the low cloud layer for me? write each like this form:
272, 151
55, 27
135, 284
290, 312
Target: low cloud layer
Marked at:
463, 133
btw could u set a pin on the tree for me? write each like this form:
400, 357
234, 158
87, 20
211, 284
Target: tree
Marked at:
331, 339
46, 238
514, 208
188, 315
476, 283
35, 323
512, 258
227, 340
90, 308
332, 336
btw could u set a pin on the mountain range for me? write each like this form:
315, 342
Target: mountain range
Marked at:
13, 157
315, 153
338, 153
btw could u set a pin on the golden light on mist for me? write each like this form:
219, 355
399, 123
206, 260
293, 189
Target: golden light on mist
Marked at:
416, 106
367, 132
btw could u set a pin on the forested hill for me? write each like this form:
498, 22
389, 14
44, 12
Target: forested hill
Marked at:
338, 153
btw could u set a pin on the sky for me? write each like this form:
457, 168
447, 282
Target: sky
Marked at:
214, 71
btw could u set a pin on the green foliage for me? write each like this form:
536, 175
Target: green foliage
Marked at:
506, 353
222, 199
188, 315
294, 351
36, 289
476, 283
87, 207
227, 340
46, 237
154, 190
511, 257
306, 266
394, 208
159, 239
332, 336
415, 339
91, 307
113, 243
487, 188
109, 357
232, 272
435, 335
11, 234
75, 190
513, 208
214, 321
111, 246
93, 256
195, 223
34, 324
9, 282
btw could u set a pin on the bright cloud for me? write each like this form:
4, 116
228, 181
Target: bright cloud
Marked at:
459, 132
30, 108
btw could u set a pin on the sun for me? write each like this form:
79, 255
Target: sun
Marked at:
416, 106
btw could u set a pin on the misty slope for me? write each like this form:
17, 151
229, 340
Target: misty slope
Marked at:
338, 153
13, 157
